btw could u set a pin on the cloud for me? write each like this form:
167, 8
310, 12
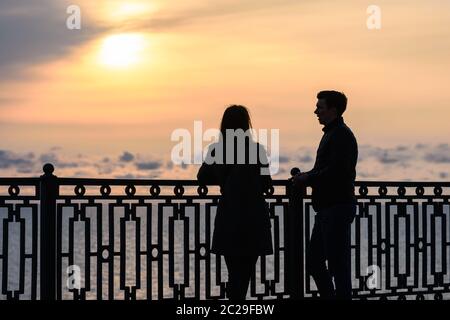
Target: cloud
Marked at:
427, 163
387, 157
305, 158
126, 176
402, 148
82, 174
6, 101
49, 158
53, 158
420, 146
9, 159
441, 154
26, 170
283, 159
150, 165
135, 176
34, 32
214, 9
105, 169
303, 154
439, 158
405, 162
126, 157
403, 155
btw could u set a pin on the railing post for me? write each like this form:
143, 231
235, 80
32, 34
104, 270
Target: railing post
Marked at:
295, 240
48, 195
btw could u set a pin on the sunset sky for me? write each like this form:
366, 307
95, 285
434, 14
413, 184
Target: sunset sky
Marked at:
137, 70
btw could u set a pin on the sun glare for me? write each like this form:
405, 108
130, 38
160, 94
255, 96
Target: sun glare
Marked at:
121, 50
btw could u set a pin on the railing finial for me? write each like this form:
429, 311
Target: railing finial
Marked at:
295, 171
48, 169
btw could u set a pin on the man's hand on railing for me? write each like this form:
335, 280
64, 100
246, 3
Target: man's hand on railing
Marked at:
299, 180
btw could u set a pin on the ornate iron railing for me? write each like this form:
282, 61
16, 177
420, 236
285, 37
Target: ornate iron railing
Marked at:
150, 239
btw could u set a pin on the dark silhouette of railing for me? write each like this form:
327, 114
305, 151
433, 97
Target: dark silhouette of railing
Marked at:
150, 239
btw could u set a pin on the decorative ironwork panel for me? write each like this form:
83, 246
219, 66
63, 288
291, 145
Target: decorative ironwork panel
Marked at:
152, 241
19, 210
400, 241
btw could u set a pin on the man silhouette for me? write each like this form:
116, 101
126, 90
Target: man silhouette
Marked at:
333, 198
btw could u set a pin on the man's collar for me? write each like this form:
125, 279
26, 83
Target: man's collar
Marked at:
332, 124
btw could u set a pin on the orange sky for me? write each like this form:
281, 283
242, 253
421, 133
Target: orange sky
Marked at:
149, 67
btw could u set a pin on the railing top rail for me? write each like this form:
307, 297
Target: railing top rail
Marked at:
161, 182
278, 182
24, 181
402, 183
19, 181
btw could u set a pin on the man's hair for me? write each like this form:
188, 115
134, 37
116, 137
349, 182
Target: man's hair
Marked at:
334, 99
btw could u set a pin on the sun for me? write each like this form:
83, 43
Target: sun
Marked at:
121, 50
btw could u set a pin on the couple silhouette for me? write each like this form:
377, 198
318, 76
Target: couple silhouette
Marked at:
242, 228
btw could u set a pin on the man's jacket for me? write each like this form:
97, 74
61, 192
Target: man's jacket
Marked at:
333, 176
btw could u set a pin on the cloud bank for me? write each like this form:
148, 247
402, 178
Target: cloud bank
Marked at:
412, 162
34, 32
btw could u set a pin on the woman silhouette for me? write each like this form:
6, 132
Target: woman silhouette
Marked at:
242, 229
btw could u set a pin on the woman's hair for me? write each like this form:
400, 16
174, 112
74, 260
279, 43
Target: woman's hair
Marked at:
235, 117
